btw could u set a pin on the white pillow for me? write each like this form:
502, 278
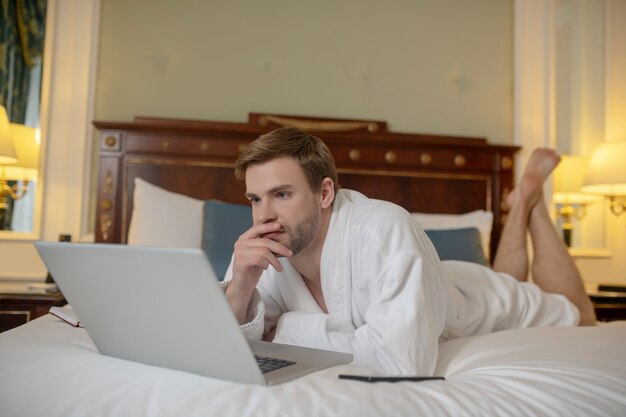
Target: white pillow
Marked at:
164, 218
480, 219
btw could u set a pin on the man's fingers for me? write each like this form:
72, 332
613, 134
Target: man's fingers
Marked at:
269, 244
273, 260
253, 252
258, 230
256, 256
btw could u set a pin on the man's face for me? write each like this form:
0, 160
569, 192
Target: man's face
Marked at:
279, 193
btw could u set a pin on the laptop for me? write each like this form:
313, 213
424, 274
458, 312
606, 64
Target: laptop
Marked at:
164, 307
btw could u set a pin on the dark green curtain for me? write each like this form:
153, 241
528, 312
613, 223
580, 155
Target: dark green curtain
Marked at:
21, 46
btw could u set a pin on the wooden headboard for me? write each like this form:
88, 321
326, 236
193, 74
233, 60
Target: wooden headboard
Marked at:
422, 173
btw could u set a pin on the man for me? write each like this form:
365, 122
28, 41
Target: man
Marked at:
338, 271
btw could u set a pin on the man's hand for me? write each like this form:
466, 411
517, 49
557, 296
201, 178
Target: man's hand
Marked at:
252, 255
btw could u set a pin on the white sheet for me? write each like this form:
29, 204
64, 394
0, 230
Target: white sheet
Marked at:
49, 368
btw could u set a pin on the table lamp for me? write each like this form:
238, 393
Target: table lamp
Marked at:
571, 203
606, 174
26, 143
19, 161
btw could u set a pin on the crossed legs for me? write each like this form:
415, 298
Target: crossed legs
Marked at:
552, 267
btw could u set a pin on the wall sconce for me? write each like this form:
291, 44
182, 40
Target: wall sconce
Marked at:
19, 160
606, 174
570, 202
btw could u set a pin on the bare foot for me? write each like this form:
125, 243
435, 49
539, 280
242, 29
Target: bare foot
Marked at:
540, 165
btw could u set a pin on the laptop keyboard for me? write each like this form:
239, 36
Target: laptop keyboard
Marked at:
268, 364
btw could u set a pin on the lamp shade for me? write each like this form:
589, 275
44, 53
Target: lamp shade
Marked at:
568, 180
7, 151
606, 172
27, 149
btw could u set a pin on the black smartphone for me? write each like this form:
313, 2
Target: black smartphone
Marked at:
365, 378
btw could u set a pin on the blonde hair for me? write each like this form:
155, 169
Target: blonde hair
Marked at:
309, 151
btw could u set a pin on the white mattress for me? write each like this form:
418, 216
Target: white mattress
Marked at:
49, 368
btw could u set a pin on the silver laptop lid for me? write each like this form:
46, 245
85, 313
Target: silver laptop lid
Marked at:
159, 306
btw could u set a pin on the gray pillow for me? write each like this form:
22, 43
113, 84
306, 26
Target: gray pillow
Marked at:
458, 244
223, 223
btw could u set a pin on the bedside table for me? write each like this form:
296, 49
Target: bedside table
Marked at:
20, 304
609, 305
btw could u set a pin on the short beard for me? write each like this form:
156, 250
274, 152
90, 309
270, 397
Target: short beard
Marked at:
303, 233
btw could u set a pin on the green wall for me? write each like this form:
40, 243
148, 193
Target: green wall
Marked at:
429, 66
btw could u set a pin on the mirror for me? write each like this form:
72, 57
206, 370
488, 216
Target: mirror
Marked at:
21, 52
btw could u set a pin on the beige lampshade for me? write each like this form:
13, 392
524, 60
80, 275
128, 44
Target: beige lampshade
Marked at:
26, 145
7, 150
606, 172
568, 180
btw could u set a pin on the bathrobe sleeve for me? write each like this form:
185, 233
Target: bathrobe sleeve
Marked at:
256, 315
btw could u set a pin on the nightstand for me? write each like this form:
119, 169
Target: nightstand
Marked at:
609, 305
19, 303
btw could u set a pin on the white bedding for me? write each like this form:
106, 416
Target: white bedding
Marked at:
49, 368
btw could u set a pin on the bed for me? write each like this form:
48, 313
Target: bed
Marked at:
150, 166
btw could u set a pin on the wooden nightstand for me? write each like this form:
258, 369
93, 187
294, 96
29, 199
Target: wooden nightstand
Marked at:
609, 305
19, 304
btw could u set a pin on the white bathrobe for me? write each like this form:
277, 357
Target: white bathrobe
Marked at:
389, 297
